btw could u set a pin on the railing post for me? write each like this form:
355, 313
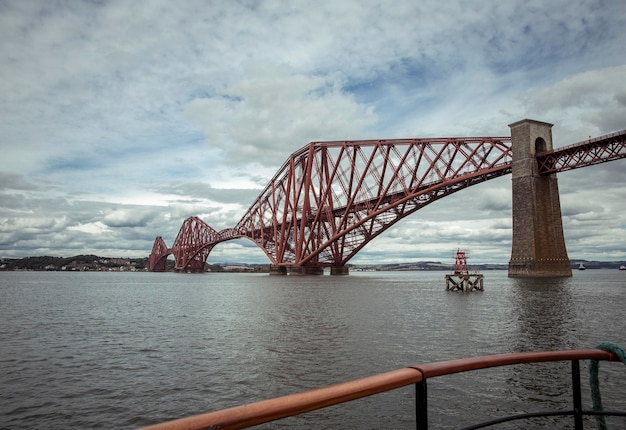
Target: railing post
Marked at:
578, 404
421, 405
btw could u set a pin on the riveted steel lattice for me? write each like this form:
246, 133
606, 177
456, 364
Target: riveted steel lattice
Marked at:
330, 199
593, 151
158, 256
192, 245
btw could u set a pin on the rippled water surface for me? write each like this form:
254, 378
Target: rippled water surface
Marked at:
123, 350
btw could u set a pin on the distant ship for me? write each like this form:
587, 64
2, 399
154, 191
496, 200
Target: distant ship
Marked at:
581, 266
622, 267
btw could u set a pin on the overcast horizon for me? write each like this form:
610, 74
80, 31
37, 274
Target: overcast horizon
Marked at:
119, 119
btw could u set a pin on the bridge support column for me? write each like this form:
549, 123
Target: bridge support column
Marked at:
339, 270
538, 248
303, 270
278, 270
159, 266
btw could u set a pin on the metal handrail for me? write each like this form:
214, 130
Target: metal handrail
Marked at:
251, 414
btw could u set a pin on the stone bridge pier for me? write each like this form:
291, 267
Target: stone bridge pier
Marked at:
538, 248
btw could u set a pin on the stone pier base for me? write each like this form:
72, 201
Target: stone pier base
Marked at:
339, 271
303, 270
278, 270
548, 268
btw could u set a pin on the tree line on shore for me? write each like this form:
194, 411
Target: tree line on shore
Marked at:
96, 263
77, 262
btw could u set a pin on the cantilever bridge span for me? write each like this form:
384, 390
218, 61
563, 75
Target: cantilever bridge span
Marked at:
329, 199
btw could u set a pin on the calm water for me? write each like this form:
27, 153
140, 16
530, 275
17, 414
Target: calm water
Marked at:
122, 350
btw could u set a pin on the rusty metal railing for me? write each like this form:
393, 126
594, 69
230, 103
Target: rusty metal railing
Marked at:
244, 416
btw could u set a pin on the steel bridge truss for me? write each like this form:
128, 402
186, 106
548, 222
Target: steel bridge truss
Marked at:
158, 256
191, 248
593, 151
330, 199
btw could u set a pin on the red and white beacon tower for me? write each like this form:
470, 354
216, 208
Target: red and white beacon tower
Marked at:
462, 279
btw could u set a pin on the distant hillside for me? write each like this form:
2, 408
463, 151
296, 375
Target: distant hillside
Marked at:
422, 265
436, 265
84, 263
75, 263
96, 263
597, 264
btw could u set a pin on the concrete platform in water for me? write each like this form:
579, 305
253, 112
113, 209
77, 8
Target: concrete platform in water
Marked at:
465, 282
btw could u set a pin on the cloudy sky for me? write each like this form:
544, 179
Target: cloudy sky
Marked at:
119, 119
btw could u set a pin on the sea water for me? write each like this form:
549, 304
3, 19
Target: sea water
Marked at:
124, 350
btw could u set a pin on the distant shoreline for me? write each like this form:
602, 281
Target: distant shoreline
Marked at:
84, 263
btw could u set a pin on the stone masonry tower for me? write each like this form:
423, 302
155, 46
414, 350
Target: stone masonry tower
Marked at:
538, 248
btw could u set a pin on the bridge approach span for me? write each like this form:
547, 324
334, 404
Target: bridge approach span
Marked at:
587, 153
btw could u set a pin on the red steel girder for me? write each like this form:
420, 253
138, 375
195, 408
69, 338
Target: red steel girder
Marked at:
593, 151
194, 243
331, 198
158, 256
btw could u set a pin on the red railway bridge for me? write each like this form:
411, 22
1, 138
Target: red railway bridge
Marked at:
329, 199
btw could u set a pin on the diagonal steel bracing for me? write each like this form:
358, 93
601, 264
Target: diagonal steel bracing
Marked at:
593, 151
330, 199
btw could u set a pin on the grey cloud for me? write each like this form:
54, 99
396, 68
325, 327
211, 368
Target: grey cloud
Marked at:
202, 191
131, 216
268, 117
586, 100
16, 182
99, 110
